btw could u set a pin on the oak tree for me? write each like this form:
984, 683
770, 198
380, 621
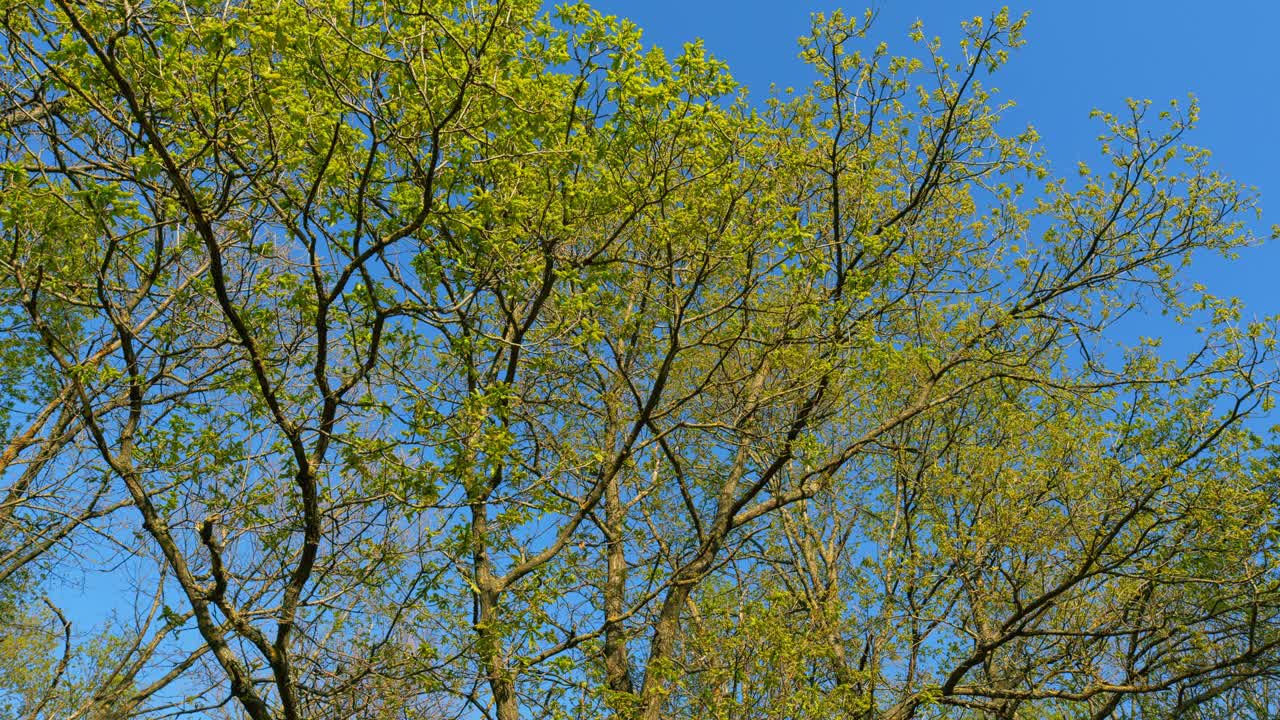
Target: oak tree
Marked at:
448, 359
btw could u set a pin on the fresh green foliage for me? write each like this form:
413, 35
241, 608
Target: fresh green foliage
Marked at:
474, 359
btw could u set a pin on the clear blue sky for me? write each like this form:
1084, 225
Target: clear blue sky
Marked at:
1080, 54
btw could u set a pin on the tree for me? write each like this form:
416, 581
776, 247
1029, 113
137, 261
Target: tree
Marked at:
442, 359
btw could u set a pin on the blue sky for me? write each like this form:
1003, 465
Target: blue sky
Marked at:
1079, 55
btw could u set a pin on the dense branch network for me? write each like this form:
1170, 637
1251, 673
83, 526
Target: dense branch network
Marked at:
473, 360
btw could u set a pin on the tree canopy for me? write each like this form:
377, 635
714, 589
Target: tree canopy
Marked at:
448, 359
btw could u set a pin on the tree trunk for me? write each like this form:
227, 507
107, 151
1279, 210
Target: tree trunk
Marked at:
617, 664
